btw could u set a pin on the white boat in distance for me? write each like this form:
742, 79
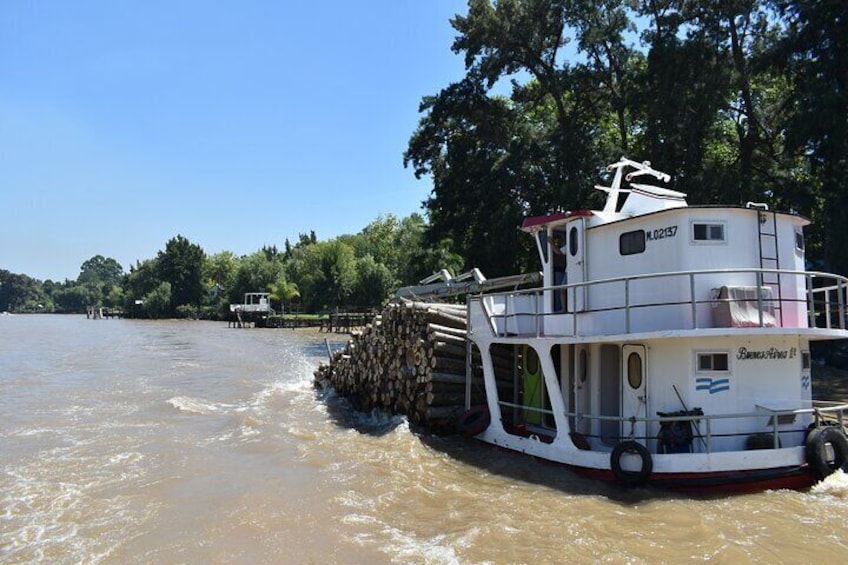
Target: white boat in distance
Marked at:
669, 345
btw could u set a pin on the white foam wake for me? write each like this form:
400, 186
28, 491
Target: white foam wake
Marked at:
192, 405
835, 484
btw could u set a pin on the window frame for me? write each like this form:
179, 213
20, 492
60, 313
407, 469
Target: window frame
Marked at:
712, 355
621, 239
708, 224
806, 361
800, 242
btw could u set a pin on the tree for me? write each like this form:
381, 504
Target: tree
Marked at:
75, 298
428, 260
19, 292
256, 273
374, 283
325, 273
283, 292
304, 268
339, 268
219, 277
181, 265
102, 270
157, 303
142, 279
486, 175
815, 52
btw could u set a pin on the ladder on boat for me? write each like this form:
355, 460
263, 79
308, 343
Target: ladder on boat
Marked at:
769, 251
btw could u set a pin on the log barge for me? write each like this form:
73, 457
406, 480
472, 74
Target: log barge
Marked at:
668, 345
412, 359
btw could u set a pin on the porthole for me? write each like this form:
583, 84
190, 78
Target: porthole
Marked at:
572, 241
634, 370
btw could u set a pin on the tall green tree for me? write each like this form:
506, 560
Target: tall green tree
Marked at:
142, 279
815, 52
325, 273
373, 285
102, 270
284, 292
471, 146
181, 265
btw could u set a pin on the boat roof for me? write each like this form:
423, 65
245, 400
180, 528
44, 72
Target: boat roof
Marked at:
641, 200
535, 223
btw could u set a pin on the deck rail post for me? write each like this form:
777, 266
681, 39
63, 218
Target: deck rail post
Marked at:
775, 431
709, 435
811, 303
693, 301
574, 311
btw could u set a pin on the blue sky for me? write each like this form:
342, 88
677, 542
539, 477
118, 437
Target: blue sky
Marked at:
235, 124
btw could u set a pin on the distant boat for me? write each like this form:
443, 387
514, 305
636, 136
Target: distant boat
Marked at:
254, 302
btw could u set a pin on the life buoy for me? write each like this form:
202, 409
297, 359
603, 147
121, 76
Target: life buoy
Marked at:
474, 421
631, 478
817, 455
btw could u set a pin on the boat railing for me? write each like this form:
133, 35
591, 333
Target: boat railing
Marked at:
817, 302
704, 438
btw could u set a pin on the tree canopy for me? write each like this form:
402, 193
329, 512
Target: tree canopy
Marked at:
739, 101
357, 271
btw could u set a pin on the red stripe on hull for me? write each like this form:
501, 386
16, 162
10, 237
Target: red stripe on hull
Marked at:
727, 482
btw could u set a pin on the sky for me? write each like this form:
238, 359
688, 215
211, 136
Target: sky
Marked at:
233, 124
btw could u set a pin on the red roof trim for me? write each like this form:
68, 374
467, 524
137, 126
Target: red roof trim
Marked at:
537, 221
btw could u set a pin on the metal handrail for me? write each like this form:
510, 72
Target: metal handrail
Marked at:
822, 293
819, 409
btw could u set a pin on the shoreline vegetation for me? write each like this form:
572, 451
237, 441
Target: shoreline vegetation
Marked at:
312, 277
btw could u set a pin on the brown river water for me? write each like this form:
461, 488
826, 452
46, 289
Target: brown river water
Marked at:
188, 442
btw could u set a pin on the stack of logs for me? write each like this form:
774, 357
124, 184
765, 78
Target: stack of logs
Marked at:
410, 360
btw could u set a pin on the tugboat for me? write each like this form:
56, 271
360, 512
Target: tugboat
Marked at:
669, 345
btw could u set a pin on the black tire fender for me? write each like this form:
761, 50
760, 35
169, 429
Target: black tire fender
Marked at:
474, 421
631, 478
816, 448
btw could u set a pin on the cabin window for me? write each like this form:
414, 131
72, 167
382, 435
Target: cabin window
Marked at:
543, 244
572, 241
805, 360
799, 241
634, 370
632, 242
708, 232
712, 362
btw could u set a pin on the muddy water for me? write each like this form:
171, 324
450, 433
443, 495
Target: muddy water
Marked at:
188, 442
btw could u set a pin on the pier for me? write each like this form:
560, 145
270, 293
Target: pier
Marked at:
99, 313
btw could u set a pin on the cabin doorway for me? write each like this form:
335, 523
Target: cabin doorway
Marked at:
575, 261
634, 399
610, 393
582, 390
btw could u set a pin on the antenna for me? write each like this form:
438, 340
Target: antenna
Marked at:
643, 168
